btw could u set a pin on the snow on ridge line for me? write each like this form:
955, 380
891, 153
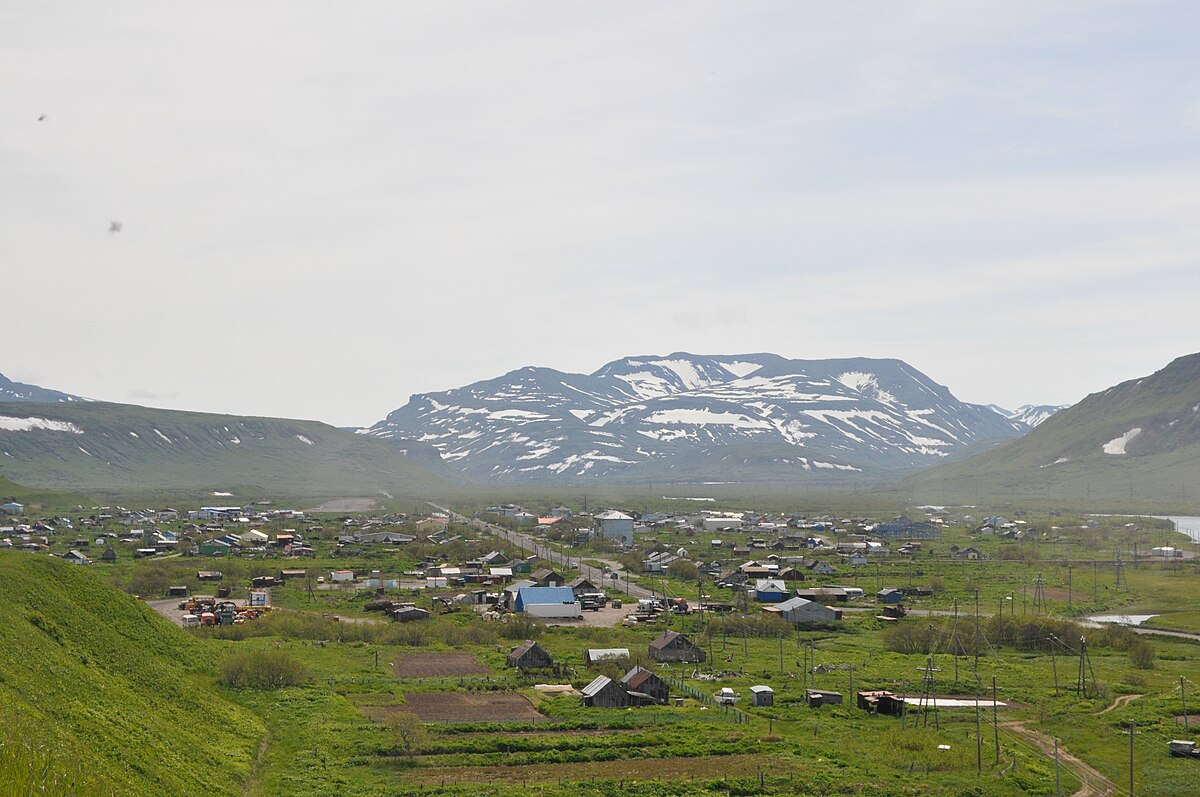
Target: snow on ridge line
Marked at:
1117, 445
304, 440
10, 424
739, 368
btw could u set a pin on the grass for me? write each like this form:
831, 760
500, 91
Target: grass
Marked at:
101, 679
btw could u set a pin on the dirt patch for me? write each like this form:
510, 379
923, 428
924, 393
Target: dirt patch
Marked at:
347, 505
591, 771
437, 665
463, 707
371, 698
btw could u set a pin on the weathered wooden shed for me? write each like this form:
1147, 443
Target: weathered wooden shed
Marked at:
639, 679
529, 655
674, 646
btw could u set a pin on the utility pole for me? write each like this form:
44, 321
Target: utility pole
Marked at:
1054, 664
978, 741
1131, 758
1183, 697
977, 631
1057, 777
995, 721
1069, 595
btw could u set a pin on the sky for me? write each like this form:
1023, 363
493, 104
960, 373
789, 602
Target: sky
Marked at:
327, 207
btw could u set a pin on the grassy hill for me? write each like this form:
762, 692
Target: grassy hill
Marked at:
38, 499
1134, 446
118, 449
113, 696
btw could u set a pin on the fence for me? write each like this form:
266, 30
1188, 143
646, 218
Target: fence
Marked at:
734, 714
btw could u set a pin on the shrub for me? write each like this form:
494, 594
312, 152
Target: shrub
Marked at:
262, 669
1141, 654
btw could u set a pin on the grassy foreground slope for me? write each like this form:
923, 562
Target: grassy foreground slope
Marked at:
110, 689
98, 447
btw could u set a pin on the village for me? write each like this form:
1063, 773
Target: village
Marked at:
710, 624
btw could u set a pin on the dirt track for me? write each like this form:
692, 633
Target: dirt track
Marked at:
1094, 783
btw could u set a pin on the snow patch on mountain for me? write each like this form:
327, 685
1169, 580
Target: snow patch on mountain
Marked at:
9, 424
1116, 446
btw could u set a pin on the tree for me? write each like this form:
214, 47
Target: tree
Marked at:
408, 730
682, 568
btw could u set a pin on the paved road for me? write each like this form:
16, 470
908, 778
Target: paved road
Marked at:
528, 543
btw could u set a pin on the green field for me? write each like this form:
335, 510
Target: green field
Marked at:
137, 706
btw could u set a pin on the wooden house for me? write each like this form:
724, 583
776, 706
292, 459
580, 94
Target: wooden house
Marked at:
645, 682
529, 655
674, 646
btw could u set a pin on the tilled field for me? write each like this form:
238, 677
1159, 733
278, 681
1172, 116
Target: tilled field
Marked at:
437, 665
471, 707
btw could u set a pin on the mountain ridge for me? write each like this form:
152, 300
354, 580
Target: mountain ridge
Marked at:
661, 416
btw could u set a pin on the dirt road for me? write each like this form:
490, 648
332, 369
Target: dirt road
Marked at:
1094, 783
528, 543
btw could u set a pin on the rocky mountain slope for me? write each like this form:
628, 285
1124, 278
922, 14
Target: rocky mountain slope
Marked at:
19, 391
1030, 415
751, 417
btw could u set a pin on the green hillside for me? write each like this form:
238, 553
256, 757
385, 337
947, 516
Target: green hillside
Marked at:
111, 690
117, 448
37, 499
1134, 446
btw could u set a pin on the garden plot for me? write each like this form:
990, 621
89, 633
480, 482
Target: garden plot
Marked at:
437, 665
472, 707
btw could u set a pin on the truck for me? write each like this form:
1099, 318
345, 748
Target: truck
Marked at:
727, 697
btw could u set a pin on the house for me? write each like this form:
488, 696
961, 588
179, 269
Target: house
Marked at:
970, 555
604, 692
76, 558
762, 696
560, 511
548, 602
824, 595
209, 575
13, 508
408, 612
801, 611
880, 702
581, 586
109, 556
901, 528
645, 682
770, 590
889, 595
288, 574
816, 698
674, 646
529, 655
616, 525
819, 568
336, 576
791, 574
544, 577
594, 655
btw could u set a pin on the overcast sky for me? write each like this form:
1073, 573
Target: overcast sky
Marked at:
327, 207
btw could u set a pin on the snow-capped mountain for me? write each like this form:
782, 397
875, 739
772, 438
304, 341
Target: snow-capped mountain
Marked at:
18, 391
1029, 415
690, 417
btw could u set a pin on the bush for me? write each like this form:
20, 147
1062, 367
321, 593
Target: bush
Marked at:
262, 669
1141, 654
